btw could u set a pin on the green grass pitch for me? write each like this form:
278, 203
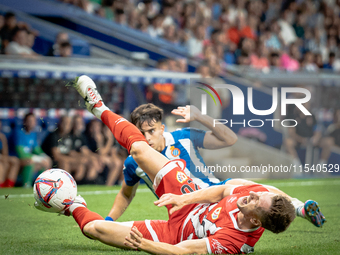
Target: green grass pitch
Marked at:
25, 230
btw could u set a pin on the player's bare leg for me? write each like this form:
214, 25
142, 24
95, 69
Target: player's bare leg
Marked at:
126, 133
108, 232
94, 226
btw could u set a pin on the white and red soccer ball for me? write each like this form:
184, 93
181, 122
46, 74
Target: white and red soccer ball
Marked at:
55, 190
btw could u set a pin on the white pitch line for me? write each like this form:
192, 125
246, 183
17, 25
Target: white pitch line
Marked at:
144, 190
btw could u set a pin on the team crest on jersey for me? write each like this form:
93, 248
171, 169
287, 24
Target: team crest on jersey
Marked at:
181, 177
216, 213
175, 152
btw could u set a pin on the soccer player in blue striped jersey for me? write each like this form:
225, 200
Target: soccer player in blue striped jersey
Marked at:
180, 144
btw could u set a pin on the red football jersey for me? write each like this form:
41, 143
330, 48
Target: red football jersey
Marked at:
218, 224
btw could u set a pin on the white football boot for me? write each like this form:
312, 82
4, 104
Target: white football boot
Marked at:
88, 91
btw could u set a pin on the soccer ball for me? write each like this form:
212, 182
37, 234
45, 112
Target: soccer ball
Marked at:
54, 190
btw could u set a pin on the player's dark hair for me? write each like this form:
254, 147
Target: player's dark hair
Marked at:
9, 15
279, 216
146, 112
28, 115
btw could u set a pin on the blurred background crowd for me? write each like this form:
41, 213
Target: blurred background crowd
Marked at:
278, 34
89, 152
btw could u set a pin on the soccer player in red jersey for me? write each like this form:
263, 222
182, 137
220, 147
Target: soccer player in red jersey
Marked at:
221, 219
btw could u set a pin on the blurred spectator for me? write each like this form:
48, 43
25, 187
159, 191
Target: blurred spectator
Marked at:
331, 139
8, 31
120, 17
299, 26
275, 61
170, 34
30, 39
204, 70
229, 53
273, 39
331, 60
162, 94
155, 29
182, 65
195, 43
173, 65
287, 32
318, 61
149, 8
83, 4
259, 60
133, 19
290, 62
59, 39
101, 142
59, 146
310, 43
32, 157
9, 165
2, 22
167, 11
19, 45
308, 62
65, 49
80, 149
241, 30
304, 134
312, 26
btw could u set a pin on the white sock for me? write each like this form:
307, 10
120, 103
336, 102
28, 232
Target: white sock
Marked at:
97, 111
75, 206
299, 207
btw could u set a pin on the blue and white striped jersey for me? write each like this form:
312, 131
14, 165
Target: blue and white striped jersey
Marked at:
180, 144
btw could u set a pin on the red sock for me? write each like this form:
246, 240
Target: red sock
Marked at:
125, 132
9, 183
82, 216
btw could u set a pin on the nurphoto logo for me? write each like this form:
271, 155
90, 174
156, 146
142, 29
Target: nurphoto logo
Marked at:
239, 103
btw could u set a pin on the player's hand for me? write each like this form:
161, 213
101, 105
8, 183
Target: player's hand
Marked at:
189, 113
134, 240
176, 201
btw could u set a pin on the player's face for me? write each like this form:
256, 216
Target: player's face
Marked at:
154, 134
255, 200
66, 125
30, 123
78, 125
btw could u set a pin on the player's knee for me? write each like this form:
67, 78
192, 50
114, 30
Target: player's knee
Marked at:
92, 229
138, 149
15, 161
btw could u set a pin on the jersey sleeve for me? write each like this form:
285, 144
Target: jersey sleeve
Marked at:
232, 242
223, 244
195, 135
129, 170
247, 188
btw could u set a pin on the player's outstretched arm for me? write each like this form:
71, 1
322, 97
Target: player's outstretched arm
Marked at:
220, 135
136, 241
122, 200
209, 195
